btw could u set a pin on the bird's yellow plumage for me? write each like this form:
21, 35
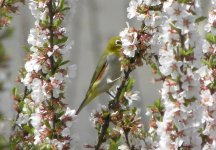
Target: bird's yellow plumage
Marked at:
107, 72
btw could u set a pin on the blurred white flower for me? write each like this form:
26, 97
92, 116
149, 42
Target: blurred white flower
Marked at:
132, 9
65, 132
37, 93
123, 147
132, 96
36, 120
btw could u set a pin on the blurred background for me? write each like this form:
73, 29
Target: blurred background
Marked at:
89, 24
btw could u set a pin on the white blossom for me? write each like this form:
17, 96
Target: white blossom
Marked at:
129, 41
123, 147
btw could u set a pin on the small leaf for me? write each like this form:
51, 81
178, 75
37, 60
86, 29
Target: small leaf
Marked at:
60, 41
61, 5
57, 23
26, 48
27, 129
113, 145
200, 19
46, 122
186, 53
184, 1
64, 62
211, 38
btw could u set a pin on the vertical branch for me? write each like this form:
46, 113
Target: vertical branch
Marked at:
52, 62
116, 104
126, 138
45, 82
51, 14
101, 138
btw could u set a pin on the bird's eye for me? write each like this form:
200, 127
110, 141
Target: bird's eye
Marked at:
118, 42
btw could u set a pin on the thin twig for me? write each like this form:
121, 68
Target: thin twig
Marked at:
110, 94
51, 40
127, 139
103, 132
119, 90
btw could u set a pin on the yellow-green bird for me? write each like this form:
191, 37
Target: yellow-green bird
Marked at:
107, 72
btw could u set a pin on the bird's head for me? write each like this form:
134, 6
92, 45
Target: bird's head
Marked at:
114, 45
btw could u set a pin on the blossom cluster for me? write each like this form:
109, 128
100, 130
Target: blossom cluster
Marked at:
43, 120
179, 58
207, 76
177, 117
119, 125
122, 120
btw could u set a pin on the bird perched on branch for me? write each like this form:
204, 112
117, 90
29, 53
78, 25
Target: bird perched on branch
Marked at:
107, 72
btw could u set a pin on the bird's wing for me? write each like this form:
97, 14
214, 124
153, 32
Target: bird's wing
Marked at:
99, 71
96, 76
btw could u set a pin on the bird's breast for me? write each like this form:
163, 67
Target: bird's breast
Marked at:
112, 73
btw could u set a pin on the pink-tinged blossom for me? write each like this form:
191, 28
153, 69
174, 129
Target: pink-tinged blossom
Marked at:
207, 79
33, 64
36, 120
152, 2
209, 47
132, 9
182, 118
37, 37
129, 41
27, 79
207, 99
175, 10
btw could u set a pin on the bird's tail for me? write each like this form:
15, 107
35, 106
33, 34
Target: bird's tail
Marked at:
89, 97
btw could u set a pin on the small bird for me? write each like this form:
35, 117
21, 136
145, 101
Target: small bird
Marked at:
107, 72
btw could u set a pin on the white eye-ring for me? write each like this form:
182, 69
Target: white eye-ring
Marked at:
118, 42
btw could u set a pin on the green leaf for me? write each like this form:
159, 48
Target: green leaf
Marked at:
184, 1
26, 48
57, 22
200, 19
186, 52
113, 145
205, 62
16, 93
64, 62
66, 8
27, 129
211, 38
46, 122
158, 104
154, 66
130, 84
61, 5
60, 41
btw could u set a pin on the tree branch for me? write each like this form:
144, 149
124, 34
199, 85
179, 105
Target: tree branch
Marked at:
107, 119
127, 139
101, 138
52, 62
